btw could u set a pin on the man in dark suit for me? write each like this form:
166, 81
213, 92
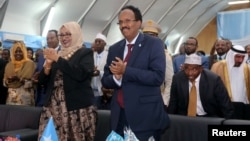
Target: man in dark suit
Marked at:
137, 101
3, 89
218, 52
212, 99
190, 47
52, 42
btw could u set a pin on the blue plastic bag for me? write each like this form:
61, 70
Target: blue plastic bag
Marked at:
113, 136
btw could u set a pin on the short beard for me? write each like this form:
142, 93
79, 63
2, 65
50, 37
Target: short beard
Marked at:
237, 64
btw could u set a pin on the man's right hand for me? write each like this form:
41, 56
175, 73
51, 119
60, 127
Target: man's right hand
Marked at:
12, 79
96, 72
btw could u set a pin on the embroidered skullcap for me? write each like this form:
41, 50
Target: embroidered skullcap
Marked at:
101, 36
150, 26
193, 59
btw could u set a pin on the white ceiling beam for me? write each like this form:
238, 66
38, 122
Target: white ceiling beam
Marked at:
3, 9
180, 18
81, 19
169, 9
107, 26
148, 8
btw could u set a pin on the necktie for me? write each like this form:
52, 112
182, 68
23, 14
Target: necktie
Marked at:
192, 104
120, 95
220, 58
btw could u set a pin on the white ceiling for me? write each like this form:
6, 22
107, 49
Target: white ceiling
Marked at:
178, 18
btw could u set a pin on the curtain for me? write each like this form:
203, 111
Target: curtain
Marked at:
235, 26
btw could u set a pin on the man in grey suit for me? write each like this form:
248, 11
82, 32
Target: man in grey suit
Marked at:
137, 102
212, 99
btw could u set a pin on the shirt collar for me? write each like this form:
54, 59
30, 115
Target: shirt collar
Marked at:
222, 56
133, 41
197, 79
57, 48
99, 55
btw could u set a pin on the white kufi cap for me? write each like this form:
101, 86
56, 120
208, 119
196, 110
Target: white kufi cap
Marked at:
193, 59
101, 36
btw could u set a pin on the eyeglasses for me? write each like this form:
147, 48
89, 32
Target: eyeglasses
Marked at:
67, 35
125, 22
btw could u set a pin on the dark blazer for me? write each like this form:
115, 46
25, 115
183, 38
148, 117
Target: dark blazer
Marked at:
213, 95
180, 59
40, 62
77, 74
3, 90
141, 82
213, 59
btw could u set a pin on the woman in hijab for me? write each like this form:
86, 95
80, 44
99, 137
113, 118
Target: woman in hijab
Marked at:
17, 77
69, 96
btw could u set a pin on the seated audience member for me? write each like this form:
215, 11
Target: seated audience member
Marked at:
190, 46
235, 73
199, 92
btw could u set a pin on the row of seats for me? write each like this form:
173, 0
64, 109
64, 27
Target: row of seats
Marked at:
24, 120
182, 128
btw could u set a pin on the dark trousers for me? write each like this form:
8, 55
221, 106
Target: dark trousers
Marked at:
39, 96
3, 94
122, 123
142, 135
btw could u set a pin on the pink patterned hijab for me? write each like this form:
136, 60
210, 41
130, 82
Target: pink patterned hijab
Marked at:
76, 35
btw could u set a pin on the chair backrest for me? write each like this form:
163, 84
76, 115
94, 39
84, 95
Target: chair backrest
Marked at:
247, 112
103, 127
20, 117
184, 128
239, 110
236, 122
